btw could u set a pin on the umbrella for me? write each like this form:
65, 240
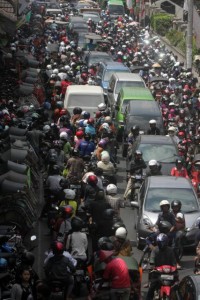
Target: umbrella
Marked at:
92, 36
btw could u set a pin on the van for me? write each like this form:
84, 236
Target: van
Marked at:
126, 95
105, 71
115, 8
87, 97
53, 11
120, 80
140, 113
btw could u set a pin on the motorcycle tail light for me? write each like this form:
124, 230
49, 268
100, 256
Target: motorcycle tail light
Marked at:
166, 270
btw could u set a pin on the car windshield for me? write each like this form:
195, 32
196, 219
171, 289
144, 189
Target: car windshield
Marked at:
122, 84
162, 153
93, 17
155, 195
98, 59
109, 73
116, 9
85, 100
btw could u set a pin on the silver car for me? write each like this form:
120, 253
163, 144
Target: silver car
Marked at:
157, 188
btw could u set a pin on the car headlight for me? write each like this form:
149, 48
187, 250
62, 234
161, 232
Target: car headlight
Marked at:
146, 221
195, 225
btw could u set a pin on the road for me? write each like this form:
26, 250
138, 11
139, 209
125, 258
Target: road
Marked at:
129, 217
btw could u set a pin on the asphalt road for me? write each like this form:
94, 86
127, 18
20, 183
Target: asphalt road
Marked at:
129, 217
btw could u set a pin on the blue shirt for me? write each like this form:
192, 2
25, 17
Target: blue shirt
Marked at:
90, 129
86, 148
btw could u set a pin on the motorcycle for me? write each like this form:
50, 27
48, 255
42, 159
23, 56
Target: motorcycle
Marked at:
167, 276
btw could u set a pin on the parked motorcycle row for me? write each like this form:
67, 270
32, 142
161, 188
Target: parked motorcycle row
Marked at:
45, 59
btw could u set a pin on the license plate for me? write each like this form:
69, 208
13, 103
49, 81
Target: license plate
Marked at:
79, 272
75, 186
167, 277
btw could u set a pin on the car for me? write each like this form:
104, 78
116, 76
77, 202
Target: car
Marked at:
188, 288
162, 148
96, 57
156, 188
94, 17
105, 71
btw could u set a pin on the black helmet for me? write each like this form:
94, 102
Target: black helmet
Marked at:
176, 203
104, 243
64, 183
116, 225
55, 169
75, 152
28, 258
162, 240
164, 227
108, 214
57, 247
135, 129
77, 110
76, 224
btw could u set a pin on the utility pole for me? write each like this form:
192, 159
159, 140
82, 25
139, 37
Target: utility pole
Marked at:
189, 38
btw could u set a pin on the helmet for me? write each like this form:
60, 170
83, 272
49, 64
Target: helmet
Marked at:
176, 203
108, 214
57, 247
164, 226
67, 211
98, 114
3, 265
179, 161
63, 111
138, 153
102, 143
92, 179
75, 152
118, 225
152, 122
181, 134
172, 128
111, 189
104, 254
46, 128
121, 233
86, 115
108, 119
135, 128
64, 183
69, 194
79, 134
77, 224
162, 240
55, 169
28, 258
101, 106
77, 110
104, 243
153, 163
90, 121
63, 136
164, 202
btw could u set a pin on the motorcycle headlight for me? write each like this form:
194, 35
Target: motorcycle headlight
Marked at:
146, 221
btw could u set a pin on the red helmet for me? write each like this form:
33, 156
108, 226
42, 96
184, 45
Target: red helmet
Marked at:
63, 112
67, 211
57, 247
56, 112
98, 114
90, 121
181, 134
92, 179
79, 134
84, 76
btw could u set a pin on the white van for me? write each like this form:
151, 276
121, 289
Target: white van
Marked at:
53, 11
119, 80
88, 97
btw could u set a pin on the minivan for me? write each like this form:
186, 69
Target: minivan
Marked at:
105, 71
115, 8
87, 97
119, 80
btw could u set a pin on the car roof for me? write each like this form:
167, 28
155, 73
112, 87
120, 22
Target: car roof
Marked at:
155, 139
127, 76
85, 89
96, 53
168, 181
139, 93
115, 65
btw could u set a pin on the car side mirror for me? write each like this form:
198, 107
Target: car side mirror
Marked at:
135, 204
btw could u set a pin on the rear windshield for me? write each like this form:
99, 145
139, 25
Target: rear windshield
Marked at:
84, 100
109, 73
116, 9
142, 107
122, 84
143, 122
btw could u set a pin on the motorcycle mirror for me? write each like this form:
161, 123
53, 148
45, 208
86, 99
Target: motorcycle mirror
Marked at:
135, 204
33, 238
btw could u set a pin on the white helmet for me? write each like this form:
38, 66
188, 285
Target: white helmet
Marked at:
105, 126
152, 122
121, 233
63, 136
101, 106
111, 189
46, 128
62, 43
153, 163
69, 194
108, 119
49, 67
67, 68
164, 202
172, 128
55, 71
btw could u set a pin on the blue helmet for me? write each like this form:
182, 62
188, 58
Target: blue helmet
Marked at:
162, 240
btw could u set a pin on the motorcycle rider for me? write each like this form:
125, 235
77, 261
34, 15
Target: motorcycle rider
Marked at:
65, 223
116, 272
166, 215
161, 255
87, 146
53, 181
112, 198
179, 227
179, 170
136, 167
59, 267
154, 168
153, 130
172, 133
122, 245
75, 166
